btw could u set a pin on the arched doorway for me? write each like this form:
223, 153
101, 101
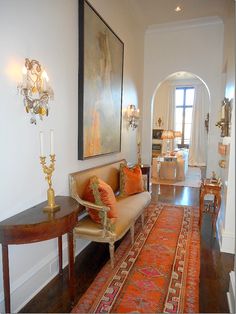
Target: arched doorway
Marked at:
181, 102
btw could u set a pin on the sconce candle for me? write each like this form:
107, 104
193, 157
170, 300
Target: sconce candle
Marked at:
45, 80
223, 112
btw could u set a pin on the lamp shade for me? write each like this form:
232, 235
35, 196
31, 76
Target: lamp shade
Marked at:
177, 134
167, 135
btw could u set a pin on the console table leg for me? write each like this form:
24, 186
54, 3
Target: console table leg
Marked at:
201, 208
6, 281
60, 254
71, 266
217, 204
148, 180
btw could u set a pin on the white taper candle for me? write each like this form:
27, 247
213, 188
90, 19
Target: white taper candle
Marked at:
223, 112
41, 144
51, 142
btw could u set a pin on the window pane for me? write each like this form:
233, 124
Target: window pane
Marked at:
178, 127
179, 97
178, 116
178, 141
189, 97
188, 115
187, 131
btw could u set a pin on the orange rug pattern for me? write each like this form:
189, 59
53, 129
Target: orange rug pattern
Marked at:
159, 273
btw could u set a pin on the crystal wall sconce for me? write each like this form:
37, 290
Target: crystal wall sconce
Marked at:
225, 119
133, 116
206, 122
35, 90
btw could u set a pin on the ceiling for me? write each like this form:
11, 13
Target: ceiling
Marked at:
182, 75
151, 12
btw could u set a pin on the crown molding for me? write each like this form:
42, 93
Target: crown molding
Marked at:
173, 26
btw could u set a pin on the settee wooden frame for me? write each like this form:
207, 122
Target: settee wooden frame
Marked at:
108, 235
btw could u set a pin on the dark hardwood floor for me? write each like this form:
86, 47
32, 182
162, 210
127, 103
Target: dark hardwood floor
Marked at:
214, 276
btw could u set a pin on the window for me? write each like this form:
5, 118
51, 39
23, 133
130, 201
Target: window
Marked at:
184, 97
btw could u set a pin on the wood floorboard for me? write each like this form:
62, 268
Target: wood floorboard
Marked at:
214, 276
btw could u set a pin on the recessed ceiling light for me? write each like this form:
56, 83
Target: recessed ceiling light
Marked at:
178, 9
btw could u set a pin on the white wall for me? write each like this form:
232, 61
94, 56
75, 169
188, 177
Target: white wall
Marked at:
48, 32
160, 106
195, 46
226, 223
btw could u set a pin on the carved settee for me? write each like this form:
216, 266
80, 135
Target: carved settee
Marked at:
129, 208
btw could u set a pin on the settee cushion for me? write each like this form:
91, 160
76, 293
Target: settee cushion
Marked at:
87, 227
100, 193
131, 181
128, 208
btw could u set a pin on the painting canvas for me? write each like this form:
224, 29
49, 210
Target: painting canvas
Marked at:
156, 133
100, 85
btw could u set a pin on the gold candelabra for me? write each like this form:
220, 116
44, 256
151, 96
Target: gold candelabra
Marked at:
48, 170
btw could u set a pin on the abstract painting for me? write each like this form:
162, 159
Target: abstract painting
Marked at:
101, 55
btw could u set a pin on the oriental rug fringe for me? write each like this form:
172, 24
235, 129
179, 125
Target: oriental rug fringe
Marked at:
159, 273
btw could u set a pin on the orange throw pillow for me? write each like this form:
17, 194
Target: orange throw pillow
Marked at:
100, 193
131, 181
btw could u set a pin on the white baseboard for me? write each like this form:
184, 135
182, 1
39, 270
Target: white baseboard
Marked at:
227, 242
231, 293
31, 282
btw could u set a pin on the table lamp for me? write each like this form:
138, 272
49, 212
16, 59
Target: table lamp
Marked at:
167, 135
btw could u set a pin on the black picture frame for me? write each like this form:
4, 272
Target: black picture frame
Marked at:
101, 59
157, 133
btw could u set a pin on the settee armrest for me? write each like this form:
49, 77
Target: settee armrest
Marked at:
106, 222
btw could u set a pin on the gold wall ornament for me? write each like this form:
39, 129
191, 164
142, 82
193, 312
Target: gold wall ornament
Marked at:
159, 121
35, 90
222, 163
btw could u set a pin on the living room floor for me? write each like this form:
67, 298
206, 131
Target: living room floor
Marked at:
214, 276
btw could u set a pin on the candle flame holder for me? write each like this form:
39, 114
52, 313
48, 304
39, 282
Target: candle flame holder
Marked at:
48, 170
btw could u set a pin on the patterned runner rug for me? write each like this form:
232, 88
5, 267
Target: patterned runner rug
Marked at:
159, 273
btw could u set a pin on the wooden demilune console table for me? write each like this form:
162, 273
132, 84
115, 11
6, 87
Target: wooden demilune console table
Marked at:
207, 187
34, 225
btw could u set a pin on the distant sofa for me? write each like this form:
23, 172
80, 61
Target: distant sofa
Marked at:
129, 208
170, 170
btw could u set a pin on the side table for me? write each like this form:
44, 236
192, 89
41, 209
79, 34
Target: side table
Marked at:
146, 171
35, 225
214, 188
